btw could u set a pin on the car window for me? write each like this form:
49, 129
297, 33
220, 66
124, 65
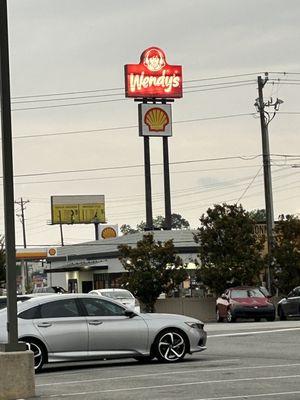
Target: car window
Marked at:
118, 294
32, 313
100, 308
60, 309
246, 293
3, 303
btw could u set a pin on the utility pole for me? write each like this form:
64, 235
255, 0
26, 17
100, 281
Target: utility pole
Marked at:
22, 203
265, 119
8, 188
24, 266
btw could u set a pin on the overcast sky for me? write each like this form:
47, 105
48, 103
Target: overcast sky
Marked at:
76, 50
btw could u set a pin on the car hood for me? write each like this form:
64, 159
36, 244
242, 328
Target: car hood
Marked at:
177, 317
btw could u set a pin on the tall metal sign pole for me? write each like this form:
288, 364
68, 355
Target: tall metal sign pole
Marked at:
265, 119
8, 188
154, 83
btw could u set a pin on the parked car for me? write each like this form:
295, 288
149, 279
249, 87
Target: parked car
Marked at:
49, 290
244, 302
72, 327
289, 306
122, 295
20, 297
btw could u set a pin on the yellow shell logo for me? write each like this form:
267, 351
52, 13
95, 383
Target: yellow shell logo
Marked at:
156, 119
108, 233
52, 252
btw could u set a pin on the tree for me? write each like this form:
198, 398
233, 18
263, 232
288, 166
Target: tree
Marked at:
125, 229
287, 253
152, 268
259, 215
177, 222
2, 260
230, 252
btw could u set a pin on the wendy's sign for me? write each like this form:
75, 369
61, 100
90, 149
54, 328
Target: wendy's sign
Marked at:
153, 77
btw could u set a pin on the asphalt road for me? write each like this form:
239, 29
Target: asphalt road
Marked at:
243, 361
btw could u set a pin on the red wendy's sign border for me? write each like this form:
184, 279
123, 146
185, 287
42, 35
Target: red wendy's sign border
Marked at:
153, 77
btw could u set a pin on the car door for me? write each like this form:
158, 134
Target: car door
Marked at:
110, 330
63, 328
292, 306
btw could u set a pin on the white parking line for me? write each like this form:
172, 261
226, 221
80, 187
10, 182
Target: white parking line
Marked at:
253, 332
249, 396
261, 378
96, 368
80, 382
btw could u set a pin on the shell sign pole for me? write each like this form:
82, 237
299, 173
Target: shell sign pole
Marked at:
154, 83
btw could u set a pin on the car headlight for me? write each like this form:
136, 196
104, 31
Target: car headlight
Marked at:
195, 325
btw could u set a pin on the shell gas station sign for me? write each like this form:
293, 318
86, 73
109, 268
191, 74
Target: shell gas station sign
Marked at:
155, 120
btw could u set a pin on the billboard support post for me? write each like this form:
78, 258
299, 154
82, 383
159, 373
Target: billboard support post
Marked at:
96, 224
168, 215
148, 194
61, 229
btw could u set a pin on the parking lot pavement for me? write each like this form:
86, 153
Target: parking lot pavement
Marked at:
243, 361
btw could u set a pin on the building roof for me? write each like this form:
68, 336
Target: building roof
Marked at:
108, 248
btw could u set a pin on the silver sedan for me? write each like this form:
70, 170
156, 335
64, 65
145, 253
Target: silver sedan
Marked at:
76, 327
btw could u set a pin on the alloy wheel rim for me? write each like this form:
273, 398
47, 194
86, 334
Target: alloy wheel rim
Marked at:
37, 353
171, 346
229, 316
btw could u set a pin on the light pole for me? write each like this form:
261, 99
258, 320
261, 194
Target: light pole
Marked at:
265, 119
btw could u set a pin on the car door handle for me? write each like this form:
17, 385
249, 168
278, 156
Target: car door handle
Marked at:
44, 324
95, 322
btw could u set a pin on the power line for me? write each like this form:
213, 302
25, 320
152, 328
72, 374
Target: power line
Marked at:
245, 191
131, 126
138, 166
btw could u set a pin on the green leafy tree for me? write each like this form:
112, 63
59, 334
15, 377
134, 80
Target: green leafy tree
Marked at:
230, 252
152, 268
2, 260
287, 253
177, 222
259, 215
125, 229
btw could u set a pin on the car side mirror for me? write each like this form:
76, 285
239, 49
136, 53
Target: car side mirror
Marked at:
129, 313
224, 297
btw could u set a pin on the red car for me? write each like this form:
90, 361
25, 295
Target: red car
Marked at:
244, 302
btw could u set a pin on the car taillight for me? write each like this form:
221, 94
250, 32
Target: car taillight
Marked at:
136, 302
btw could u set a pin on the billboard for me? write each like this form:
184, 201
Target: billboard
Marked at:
82, 209
155, 120
153, 77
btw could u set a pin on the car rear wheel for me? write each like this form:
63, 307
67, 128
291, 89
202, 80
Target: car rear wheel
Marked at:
218, 318
170, 346
39, 353
229, 316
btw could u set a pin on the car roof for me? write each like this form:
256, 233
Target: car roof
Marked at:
243, 288
111, 290
35, 301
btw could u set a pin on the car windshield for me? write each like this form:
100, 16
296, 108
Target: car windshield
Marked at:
118, 294
244, 294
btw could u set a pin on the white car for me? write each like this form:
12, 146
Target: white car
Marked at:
121, 295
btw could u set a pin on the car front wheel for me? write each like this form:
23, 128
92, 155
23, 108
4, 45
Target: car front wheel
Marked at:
282, 315
229, 316
170, 346
39, 353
